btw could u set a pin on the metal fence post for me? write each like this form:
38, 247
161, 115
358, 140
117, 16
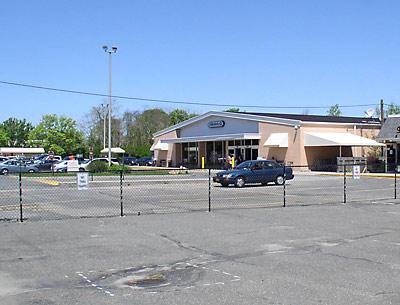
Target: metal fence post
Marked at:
209, 189
20, 197
395, 183
344, 184
284, 186
120, 185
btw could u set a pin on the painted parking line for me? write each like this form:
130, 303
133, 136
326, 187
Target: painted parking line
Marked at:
49, 182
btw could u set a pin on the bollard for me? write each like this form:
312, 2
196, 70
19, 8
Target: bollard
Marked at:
233, 162
202, 162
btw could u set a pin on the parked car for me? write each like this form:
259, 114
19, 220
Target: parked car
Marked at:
15, 166
62, 166
46, 165
83, 166
259, 171
2, 159
146, 161
131, 161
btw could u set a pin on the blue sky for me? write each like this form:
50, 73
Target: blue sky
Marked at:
267, 53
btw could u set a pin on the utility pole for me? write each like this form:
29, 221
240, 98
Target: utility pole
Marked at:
384, 148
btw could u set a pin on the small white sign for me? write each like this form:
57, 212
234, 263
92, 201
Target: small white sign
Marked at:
72, 166
82, 180
356, 172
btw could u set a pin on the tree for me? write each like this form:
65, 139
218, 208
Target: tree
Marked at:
4, 139
232, 110
178, 115
147, 123
393, 109
334, 110
59, 134
17, 131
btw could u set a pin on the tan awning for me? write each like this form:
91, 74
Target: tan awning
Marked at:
159, 146
114, 150
336, 139
277, 140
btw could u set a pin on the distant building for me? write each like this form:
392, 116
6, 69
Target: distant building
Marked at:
290, 138
21, 151
390, 136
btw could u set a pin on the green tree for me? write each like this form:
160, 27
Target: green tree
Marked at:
393, 109
334, 110
59, 134
178, 115
232, 110
147, 123
4, 139
17, 131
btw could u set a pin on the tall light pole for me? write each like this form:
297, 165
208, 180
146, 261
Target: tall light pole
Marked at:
103, 108
110, 52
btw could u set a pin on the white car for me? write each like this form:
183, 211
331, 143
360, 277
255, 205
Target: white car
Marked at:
62, 166
83, 166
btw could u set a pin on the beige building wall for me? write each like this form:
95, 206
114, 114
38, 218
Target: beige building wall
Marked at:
309, 154
288, 155
297, 154
169, 155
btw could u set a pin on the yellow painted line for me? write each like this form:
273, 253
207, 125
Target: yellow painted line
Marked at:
50, 182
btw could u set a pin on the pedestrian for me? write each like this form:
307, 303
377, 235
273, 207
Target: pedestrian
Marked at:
228, 162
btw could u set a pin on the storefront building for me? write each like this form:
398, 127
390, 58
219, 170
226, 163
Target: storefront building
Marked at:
389, 135
289, 138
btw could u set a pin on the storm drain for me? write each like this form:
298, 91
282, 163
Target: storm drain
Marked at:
157, 278
151, 277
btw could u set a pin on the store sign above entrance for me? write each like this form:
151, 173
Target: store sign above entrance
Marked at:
216, 124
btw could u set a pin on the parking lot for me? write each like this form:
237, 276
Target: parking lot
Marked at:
57, 197
318, 254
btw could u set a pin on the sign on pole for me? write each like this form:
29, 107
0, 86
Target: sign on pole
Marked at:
356, 172
82, 180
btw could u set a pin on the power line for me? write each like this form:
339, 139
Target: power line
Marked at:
173, 101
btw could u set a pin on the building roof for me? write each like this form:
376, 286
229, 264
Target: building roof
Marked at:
389, 130
318, 118
275, 118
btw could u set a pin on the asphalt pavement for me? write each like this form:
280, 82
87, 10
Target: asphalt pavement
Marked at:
316, 254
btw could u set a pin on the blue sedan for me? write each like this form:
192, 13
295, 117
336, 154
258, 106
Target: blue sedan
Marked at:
259, 171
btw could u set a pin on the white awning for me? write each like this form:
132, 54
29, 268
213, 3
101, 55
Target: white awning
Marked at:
224, 137
159, 146
336, 139
21, 150
277, 140
114, 150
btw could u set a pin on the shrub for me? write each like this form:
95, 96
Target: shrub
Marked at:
96, 167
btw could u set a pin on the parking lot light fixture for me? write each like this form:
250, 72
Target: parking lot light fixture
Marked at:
110, 51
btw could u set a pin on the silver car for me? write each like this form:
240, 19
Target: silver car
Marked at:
15, 166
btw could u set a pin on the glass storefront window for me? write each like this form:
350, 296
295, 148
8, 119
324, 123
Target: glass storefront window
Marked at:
193, 152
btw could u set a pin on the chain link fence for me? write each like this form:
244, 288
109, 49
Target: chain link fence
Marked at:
47, 196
